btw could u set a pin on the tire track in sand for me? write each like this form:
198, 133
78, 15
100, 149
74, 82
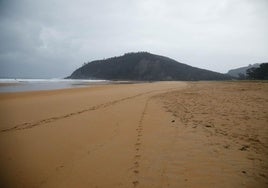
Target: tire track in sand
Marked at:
29, 125
138, 146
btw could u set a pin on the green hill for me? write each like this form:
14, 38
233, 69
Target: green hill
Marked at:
143, 66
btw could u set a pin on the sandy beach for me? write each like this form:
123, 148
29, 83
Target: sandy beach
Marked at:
162, 134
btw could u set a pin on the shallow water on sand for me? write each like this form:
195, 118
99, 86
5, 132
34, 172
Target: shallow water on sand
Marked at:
21, 85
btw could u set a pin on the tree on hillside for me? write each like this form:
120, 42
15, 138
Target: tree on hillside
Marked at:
260, 73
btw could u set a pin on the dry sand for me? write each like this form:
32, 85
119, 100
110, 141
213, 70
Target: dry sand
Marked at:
166, 134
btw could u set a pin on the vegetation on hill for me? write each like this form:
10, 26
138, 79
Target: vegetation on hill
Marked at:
143, 66
259, 73
241, 71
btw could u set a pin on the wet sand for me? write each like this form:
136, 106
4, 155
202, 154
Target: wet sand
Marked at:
165, 134
8, 84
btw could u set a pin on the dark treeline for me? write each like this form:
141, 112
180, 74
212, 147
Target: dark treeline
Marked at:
258, 73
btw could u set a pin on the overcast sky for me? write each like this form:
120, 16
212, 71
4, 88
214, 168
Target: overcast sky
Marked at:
51, 38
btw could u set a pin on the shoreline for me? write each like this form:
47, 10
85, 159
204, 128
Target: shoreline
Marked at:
7, 87
29, 85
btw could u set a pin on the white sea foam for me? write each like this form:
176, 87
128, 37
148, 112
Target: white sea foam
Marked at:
14, 80
18, 85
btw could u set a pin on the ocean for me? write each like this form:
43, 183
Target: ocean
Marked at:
22, 85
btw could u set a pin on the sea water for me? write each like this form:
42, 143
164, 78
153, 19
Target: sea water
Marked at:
21, 85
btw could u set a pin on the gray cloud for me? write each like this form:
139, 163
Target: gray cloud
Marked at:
52, 38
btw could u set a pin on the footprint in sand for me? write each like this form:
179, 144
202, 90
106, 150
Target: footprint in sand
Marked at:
135, 183
138, 144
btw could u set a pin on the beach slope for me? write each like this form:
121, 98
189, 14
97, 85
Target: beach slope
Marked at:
162, 134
